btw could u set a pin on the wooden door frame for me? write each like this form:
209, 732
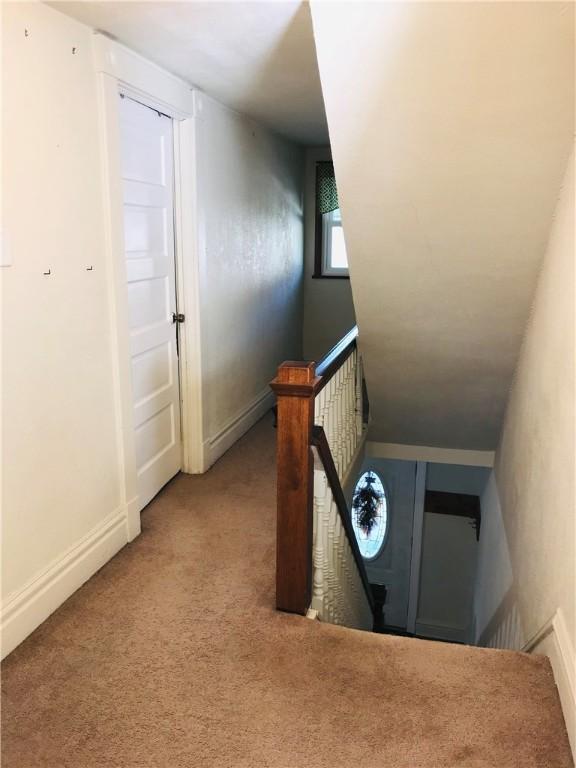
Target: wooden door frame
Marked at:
121, 71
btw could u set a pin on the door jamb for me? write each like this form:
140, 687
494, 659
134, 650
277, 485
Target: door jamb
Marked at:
416, 558
121, 71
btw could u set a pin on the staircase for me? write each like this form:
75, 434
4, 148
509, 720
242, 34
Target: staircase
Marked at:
320, 573
449, 140
173, 655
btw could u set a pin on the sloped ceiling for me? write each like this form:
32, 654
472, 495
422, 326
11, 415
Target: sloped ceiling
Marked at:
450, 125
256, 57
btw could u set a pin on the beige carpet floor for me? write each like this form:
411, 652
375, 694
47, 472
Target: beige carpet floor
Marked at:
172, 656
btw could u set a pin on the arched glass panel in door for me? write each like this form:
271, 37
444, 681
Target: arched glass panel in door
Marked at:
370, 514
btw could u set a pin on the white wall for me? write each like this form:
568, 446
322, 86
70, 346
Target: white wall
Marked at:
448, 564
251, 221
328, 306
64, 507
62, 471
494, 576
435, 110
533, 510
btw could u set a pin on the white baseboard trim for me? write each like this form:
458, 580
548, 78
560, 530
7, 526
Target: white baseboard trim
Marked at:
553, 641
437, 631
133, 524
430, 453
28, 608
237, 426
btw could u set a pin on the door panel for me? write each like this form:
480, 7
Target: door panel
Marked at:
148, 302
147, 173
392, 566
154, 435
150, 372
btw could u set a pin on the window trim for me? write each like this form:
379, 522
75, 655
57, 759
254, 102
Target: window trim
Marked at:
324, 232
328, 226
319, 271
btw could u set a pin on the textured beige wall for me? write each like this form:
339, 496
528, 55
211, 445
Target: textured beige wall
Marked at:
250, 197
534, 467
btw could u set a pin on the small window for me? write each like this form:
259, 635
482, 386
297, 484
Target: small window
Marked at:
334, 258
370, 515
331, 257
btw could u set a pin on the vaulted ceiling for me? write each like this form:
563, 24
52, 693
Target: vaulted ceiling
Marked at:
256, 57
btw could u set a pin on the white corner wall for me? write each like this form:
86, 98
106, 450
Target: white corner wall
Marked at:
494, 575
328, 305
63, 505
251, 243
450, 125
63, 496
526, 582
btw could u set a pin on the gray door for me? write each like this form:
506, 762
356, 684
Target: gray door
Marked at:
392, 565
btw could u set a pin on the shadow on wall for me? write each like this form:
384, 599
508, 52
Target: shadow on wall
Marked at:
496, 619
504, 630
282, 86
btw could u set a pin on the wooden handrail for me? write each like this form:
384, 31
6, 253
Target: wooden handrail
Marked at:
320, 442
296, 386
331, 362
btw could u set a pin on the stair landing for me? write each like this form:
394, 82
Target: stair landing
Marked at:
173, 655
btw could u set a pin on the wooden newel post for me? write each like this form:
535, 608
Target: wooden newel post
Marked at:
295, 390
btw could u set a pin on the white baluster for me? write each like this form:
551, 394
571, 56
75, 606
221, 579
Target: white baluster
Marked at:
343, 425
359, 397
337, 589
332, 576
342, 567
353, 430
350, 427
339, 459
326, 565
318, 548
320, 408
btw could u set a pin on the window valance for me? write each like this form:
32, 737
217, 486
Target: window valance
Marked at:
326, 192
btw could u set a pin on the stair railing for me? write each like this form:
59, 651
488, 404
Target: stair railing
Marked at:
320, 427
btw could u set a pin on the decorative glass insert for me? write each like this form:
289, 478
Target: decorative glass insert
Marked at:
370, 514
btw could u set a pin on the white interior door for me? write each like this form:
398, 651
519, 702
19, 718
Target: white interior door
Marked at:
148, 183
